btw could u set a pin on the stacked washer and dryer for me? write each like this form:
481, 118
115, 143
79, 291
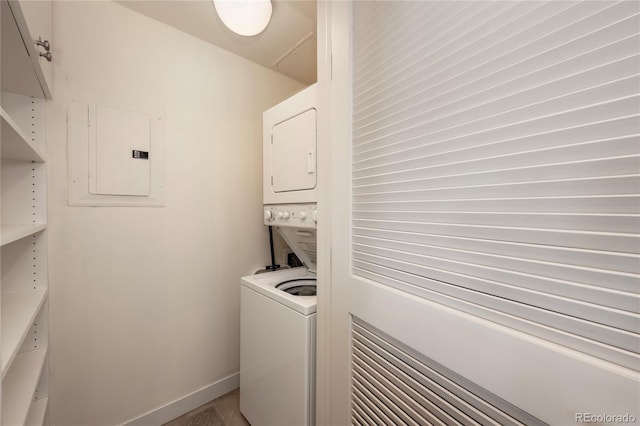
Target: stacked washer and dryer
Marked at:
278, 309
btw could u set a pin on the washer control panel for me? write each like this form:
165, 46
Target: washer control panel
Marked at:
294, 215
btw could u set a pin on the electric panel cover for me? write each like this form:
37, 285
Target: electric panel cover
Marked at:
122, 157
293, 153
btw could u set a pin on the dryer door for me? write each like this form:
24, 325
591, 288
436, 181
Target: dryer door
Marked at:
293, 153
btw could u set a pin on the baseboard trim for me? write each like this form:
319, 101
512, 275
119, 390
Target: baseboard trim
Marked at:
187, 403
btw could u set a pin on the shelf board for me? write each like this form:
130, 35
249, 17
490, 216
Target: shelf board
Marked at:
37, 412
20, 385
18, 312
15, 143
11, 233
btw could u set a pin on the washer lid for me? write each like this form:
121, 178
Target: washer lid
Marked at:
303, 242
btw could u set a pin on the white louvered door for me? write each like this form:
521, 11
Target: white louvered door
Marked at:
485, 211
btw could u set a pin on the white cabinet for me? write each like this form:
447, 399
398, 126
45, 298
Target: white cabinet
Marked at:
25, 66
26, 82
39, 24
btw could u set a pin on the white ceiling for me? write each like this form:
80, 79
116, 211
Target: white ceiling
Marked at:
287, 45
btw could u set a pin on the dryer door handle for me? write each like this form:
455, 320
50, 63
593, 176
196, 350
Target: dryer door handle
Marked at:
311, 162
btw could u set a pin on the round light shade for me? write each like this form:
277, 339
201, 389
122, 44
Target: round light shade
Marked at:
244, 17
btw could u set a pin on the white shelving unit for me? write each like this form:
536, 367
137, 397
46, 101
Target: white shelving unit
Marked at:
25, 83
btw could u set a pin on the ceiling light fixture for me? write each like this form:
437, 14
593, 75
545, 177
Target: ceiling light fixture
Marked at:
244, 17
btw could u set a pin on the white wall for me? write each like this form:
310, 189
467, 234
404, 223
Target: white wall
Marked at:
144, 303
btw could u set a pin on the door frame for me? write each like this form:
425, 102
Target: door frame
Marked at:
333, 170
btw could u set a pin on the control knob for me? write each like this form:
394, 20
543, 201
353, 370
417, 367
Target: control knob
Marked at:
284, 215
314, 215
268, 215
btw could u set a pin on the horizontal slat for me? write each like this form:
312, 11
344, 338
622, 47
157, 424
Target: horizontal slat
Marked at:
551, 139
390, 57
554, 277
612, 81
606, 63
363, 412
429, 381
624, 224
407, 396
568, 35
419, 387
506, 169
422, 403
609, 185
581, 259
478, 304
501, 157
372, 20
511, 285
428, 15
588, 115
375, 392
578, 240
622, 93
357, 420
498, 171
470, 289
478, 30
369, 18
613, 204
454, 95
374, 404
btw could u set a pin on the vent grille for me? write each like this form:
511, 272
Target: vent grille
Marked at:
393, 385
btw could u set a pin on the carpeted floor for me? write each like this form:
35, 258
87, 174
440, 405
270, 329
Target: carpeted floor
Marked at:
224, 411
